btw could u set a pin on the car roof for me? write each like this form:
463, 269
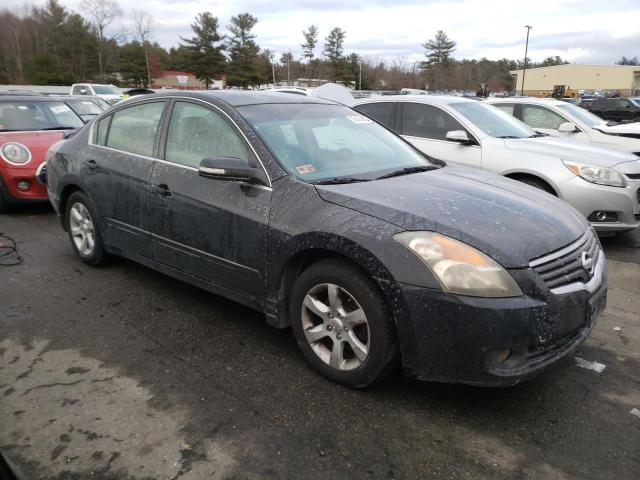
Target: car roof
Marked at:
547, 101
27, 98
428, 99
238, 98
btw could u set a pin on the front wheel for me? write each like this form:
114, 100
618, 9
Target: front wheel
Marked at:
342, 324
84, 232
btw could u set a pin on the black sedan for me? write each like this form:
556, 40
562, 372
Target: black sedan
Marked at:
329, 223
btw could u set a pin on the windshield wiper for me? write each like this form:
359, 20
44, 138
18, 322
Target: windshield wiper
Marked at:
407, 171
538, 134
339, 180
508, 136
58, 128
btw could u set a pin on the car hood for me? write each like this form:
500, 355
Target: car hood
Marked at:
572, 150
621, 128
509, 221
37, 142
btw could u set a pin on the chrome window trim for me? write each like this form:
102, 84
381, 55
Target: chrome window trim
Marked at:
561, 252
188, 99
591, 286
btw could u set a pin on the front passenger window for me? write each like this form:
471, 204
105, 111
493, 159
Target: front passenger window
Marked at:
197, 132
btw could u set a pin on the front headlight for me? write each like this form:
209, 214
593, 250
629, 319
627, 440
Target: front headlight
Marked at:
15, 153
599, 175
458, 267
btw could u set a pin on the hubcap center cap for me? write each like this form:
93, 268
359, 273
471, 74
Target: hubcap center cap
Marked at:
336, 325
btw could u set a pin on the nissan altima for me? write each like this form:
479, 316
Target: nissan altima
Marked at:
301, 208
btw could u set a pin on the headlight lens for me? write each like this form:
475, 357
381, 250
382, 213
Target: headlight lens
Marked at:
459, 268
15, 153
599, 175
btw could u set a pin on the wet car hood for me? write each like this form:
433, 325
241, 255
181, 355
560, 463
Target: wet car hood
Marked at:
573, 150
511, 222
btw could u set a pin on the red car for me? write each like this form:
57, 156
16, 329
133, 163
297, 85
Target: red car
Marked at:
29, 125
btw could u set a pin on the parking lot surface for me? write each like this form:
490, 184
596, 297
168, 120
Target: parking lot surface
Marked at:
123, 373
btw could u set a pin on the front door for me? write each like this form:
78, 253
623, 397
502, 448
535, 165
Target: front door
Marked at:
426, 127
212, 229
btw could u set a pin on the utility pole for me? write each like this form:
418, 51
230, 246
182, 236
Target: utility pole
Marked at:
288, 73
273, 72
526, 48
360, 75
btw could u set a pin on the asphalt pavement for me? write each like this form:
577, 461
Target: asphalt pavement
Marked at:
120, 372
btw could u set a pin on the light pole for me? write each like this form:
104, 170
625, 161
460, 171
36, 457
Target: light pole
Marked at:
360, 75
526, 48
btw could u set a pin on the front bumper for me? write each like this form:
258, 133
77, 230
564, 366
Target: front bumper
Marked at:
588, 198
9, 179
458, 339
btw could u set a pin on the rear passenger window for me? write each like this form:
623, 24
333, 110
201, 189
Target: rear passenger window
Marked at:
101, 131
197, 132
134, 129
383, 112
426, 121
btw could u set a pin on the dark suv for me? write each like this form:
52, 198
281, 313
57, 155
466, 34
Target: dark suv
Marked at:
617, 109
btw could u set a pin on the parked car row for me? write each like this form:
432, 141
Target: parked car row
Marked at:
374, 252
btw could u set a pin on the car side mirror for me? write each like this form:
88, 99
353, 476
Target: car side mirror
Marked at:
567, 127
226, 168
458, 136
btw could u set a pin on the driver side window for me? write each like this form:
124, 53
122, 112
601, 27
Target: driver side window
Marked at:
426, 121
541, 117
197, 132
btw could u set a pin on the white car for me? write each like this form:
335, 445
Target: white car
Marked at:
603, 184
109, 93
562, 119
628, 130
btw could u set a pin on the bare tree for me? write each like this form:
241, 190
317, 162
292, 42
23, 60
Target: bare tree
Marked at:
102, 13
144, 25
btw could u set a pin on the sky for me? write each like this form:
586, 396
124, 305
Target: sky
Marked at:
580, 31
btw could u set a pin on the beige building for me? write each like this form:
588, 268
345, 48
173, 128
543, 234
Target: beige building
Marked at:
541, 81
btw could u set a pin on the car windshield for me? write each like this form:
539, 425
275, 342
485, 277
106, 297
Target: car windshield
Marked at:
634, 101
581, 114
493, 121
318, 142
33, 115
105, 90
85, 107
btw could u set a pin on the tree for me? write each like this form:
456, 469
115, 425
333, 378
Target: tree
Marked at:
205, 49
102, 13
286, 59
628, 61
309, 45
549, 62
333, 51
144, 24
244, 67
438, 52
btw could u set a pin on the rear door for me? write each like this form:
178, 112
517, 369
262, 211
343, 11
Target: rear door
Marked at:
382, 112
117, 170
426, 127
212, 229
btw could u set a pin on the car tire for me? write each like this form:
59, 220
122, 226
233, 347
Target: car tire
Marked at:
330, 332
84, 230
539, 184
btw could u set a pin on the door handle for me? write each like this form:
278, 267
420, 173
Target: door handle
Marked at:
163, 190
91, 165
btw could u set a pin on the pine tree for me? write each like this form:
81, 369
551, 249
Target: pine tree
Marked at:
205, 49
244, 65
309, 45
333, 51
438, 52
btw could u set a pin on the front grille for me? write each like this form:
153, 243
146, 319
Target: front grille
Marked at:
633, 176
637, 217
638, 195
565, 266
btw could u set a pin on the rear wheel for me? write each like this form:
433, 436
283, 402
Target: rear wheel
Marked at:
342, 324
83, 229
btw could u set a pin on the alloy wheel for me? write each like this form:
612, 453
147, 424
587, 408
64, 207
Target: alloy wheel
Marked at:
335, 326
82, 229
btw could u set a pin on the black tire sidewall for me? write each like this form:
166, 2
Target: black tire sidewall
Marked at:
98, 255
382, 342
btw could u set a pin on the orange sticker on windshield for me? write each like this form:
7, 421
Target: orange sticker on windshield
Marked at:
305, 169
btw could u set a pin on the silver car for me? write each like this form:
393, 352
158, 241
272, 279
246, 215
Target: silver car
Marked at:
562, 119
603, 184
